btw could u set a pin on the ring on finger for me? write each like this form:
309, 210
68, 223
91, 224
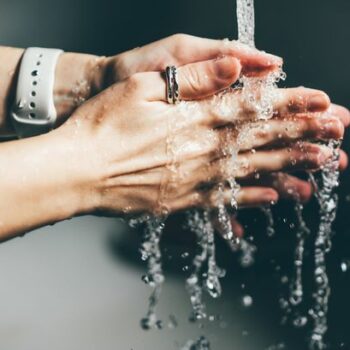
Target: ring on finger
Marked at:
172, 85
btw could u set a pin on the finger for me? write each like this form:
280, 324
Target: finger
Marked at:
251, 197
302, 156
195, 80
203, 79
233, 106
287, 186
341, 112
300, 100
279, 132
246, 197
182, 49
237, 228
343, 160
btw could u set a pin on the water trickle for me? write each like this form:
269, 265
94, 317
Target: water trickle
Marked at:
150, 252
200, 224
270, 229
296, 291
327, 199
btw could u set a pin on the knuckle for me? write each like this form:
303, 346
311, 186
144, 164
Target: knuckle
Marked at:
193, 80
336, 128
179, 38
311, 157
135, 82
245, 166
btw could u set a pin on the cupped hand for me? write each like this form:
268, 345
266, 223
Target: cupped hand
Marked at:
181, 49
178, 50
139, 154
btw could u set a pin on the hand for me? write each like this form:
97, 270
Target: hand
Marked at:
281, 185
81, 76
181, 49
135, 144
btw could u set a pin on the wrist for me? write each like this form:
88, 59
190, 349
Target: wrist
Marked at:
41, 185
77, 78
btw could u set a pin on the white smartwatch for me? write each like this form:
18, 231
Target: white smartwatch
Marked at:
33, 112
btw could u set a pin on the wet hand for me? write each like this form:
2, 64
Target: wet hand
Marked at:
142, 155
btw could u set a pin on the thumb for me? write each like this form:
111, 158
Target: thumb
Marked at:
204, 79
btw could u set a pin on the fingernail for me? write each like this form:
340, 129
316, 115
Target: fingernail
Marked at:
332, 128
318, 102
305, 193
273, 60
270, 196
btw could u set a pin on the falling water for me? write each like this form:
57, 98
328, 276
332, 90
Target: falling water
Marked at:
246, 22
270, 228
296, 291
150, 252
327, 199
199, 223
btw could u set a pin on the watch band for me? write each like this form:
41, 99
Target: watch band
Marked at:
34, 112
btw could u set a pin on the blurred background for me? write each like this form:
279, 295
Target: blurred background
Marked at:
77, 285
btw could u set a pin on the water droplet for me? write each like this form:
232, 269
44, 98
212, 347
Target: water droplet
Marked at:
300, 321
247, 301
344, 266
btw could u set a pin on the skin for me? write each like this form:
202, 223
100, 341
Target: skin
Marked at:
100, 162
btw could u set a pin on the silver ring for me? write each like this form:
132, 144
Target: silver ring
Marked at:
172, 84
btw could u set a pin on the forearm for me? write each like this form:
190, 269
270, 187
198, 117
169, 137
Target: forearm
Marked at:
77, 78
40, 183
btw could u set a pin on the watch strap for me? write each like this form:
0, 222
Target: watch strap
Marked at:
34, 111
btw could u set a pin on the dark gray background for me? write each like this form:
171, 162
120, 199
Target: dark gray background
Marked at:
77, 285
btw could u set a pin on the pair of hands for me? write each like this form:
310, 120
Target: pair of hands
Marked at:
138, 154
